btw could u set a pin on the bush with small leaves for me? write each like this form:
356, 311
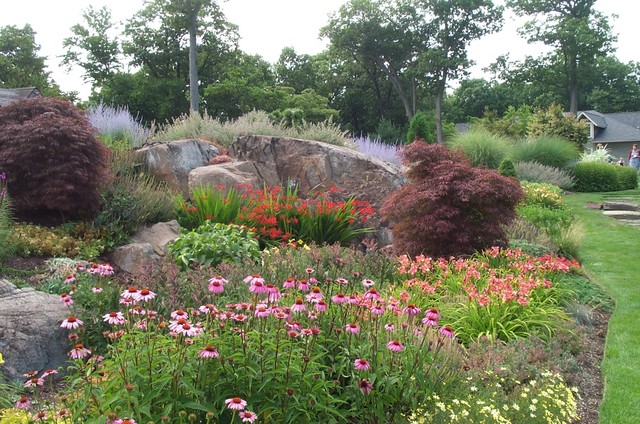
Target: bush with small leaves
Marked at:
448, 207
506, 168
596, 176
418, 128
54, 164
627, 177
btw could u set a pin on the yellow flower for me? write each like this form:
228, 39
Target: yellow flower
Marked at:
1, 360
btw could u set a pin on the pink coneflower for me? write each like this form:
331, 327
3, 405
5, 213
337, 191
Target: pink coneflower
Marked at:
342, 281
66, 299
236, 403
395, 346
368, 283
187, 330
299, 305
293, 334
261, 311
97, 290
352, 328
365, 386
114, 318
377, 310
446, 331
306, 332
79, 351
71, 323
258, 287
239, 317
251, 279
372, 294
432, 313
125, 421
209, 352
315, 295
309, 271
48, 373
247, 416
34, 382
218, 279
63, 413
361, 364
352, 299
292, 325
127, 301
145, 295
130, 293
179, 314
321, 306
303, 285
70, 279
389, 327
289, 283
339, 298
411, 310
429, 322
216, 287
274, 293
40, 416
23, 403
312, 315
208, 309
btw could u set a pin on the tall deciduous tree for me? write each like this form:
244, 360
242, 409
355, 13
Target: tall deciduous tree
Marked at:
579, 34
20, 64
446, 27
94, 47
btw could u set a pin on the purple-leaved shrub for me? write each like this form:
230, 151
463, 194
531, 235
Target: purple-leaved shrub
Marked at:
378, 149
116, 123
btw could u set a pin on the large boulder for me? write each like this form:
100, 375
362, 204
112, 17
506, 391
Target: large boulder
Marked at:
172, 161
135, 258
228, 174
158, 235
31, 338
315, 166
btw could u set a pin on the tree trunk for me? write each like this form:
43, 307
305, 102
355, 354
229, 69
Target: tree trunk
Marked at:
440, 87
194, 97
573, 86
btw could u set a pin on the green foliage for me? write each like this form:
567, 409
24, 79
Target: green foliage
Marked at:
553, 122
387, 132
551, 220
627, 177
131, 201
530, 238
538, 173
506, 168
216, 204
586, 292
7, 245
601, 155
213, 243
512, 125
419, 128
596, 176
481, 148
547, 150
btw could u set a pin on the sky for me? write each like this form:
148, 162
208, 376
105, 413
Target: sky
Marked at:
267, 26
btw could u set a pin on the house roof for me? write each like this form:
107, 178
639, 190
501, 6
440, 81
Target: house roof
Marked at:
613, 127
9, 95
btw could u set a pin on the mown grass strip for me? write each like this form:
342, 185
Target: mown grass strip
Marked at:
610, 255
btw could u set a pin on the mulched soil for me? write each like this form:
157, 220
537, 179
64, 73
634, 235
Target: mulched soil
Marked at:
590, 389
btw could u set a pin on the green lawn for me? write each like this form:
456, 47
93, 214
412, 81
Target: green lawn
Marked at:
610, 254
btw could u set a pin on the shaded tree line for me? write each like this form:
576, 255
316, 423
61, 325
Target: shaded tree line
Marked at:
385, 61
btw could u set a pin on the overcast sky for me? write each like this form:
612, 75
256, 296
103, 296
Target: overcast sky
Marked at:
267, 26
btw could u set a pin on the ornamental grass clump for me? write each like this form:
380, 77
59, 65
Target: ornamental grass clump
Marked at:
115, 123
379, 149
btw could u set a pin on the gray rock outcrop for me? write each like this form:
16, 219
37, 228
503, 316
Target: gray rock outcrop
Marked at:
172, 161
30, 334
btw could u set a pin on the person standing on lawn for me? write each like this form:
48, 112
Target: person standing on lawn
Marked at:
634, 157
